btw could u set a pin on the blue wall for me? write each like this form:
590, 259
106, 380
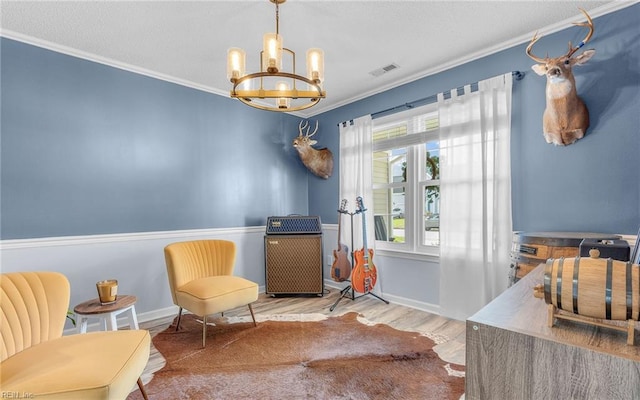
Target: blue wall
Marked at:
592, 185
91, 149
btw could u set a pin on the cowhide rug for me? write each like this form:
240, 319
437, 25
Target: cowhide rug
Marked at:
332, 358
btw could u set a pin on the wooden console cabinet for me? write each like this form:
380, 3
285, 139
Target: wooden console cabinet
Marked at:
511, 353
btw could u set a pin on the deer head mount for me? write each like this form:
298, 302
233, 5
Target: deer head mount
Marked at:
566, 117
318, 161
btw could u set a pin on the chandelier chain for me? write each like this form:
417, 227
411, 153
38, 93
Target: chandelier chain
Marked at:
277, 18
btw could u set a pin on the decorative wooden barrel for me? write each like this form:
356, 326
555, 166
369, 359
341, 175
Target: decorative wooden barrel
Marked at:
593, 287
530, 249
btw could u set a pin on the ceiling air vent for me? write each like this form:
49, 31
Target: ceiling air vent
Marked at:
384, 70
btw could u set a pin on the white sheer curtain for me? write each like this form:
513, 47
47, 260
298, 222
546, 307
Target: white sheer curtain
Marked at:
475, 199
356, 180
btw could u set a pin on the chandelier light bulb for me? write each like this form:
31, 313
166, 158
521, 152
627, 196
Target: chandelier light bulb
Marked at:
315, 65
283, 102
235, 63
272, 52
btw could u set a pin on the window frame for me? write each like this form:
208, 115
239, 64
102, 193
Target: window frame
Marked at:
414, 141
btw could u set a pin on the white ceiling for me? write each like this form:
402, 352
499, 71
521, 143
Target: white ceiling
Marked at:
186, 41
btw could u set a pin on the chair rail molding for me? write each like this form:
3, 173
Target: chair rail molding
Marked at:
123, 237
136, 260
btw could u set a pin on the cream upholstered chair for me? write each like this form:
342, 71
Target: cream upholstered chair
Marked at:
201, 280
38, 362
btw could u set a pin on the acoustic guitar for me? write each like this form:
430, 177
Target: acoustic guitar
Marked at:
341, 267
364, 274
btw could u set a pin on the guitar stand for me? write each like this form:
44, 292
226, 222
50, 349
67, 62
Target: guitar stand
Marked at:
348, 291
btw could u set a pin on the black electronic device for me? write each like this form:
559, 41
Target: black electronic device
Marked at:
614, 249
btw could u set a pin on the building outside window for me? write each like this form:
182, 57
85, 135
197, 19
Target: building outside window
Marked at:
406, 185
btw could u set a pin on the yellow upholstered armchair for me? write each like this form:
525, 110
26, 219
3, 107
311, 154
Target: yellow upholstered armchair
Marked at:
201, 280
38, 362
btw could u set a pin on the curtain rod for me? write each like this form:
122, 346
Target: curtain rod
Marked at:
518, 75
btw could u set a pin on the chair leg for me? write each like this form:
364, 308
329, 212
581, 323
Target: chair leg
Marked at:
179, 318
204, 330
141, 386
252, 316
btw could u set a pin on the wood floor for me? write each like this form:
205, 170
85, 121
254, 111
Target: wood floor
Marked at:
448, 334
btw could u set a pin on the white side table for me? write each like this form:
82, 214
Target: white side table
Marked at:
106, 313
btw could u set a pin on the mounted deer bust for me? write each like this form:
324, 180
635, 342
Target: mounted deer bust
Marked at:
566, 118
318, 161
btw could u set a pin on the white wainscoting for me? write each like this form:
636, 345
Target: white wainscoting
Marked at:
136, 260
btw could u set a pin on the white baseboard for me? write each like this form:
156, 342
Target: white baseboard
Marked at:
157, 314
403, 301
123, 322
173, 310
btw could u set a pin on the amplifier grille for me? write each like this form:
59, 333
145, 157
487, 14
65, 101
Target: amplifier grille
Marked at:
294, 264
293, 225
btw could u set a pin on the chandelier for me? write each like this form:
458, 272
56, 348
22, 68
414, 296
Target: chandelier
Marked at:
288, 90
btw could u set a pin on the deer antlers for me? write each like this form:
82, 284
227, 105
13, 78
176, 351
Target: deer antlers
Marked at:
589, 23
306, 126
572, 50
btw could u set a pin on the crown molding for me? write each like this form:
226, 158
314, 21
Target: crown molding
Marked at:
519, 40
58, 48
597, 12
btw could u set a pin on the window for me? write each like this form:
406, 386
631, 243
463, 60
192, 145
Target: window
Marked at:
406, 186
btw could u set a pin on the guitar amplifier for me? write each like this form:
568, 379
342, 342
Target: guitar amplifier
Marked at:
294, 225
293, 264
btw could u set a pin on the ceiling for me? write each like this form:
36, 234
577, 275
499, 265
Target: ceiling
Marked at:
186, 41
